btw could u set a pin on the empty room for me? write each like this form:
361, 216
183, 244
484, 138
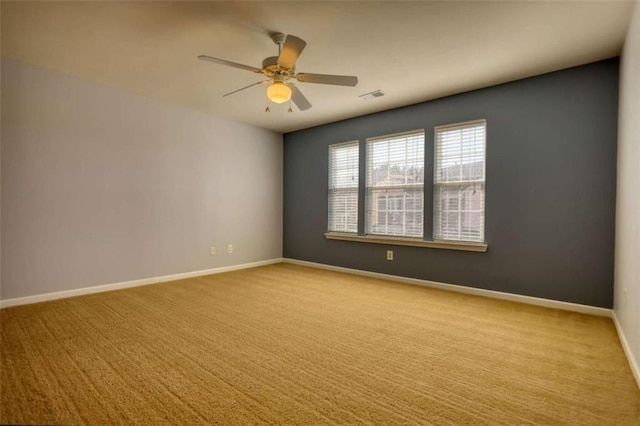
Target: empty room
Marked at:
311, 212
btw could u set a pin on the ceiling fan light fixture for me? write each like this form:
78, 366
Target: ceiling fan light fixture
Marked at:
279, 92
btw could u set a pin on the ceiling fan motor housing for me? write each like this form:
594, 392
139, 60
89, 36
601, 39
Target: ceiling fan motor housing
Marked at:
270, 64
272, 69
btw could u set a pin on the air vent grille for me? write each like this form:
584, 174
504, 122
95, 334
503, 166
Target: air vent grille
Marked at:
372, 95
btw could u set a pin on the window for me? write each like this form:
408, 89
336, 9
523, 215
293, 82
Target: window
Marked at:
395, 185
343, 187
394, 189
459, 182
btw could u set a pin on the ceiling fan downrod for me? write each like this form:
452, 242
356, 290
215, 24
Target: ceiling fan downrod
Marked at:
278, 38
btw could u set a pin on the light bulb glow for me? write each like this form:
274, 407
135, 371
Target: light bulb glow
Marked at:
279, 92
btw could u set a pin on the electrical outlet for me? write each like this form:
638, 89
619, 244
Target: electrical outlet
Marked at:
229, 249
625, 297
389, 254
212, 251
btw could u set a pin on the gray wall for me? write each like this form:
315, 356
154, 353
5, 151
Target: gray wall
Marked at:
102, 186
551, 179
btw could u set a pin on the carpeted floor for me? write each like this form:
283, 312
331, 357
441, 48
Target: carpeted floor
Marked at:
293, 345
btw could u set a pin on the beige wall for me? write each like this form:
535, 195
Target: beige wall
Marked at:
102, 186
627, 269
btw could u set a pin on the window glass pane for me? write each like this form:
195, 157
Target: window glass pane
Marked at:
395, 185
343, 187
459, 182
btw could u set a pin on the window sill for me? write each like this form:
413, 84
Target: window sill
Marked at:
412, 242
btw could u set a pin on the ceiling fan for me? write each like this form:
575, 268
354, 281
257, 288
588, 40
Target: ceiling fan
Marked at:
281, 72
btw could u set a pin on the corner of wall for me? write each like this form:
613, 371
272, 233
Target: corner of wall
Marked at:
627, 246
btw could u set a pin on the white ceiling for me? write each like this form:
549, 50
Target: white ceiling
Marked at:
413, 51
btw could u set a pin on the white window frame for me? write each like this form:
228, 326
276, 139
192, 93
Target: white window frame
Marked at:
340, 189
405, 229
473, 218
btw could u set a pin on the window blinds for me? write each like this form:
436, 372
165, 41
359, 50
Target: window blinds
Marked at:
459, 182
395, 185
343, 187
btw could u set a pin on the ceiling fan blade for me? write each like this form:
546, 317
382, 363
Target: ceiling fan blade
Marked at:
291, 50
246, 87
298, 98
229, 63
337, 80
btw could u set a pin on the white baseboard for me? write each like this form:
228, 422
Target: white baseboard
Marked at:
548, 303
127, 284
633, 363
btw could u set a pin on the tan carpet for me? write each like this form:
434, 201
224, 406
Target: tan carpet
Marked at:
293, 345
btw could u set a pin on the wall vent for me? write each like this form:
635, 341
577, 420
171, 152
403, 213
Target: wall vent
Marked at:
372, 95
